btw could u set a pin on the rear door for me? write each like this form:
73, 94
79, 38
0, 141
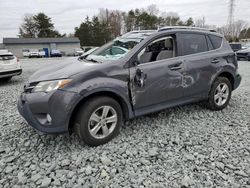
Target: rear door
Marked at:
201, 63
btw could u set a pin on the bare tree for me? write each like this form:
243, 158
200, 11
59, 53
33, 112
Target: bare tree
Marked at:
103, 15
232, 32
200, 22
28, 28
237, 27
152, 10
113, 19
170, 18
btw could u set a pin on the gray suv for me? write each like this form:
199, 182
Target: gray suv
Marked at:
139, 73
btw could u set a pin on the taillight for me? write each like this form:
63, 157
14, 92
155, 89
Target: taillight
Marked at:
233, 59
17, 60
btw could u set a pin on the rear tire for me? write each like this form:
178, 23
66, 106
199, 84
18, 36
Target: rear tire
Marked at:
98, 121
220, 94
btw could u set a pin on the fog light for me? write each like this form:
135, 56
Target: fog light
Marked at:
49, 119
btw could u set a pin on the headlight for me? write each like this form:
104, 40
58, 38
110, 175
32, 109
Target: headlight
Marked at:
48, 86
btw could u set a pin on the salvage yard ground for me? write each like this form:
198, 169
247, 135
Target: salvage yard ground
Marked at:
182, 146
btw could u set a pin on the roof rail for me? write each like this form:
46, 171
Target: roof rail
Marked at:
185, 27
142, 31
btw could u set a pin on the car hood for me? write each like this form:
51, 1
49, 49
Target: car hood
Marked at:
61, 70
244, 51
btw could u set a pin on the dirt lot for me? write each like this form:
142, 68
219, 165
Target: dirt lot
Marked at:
187, 146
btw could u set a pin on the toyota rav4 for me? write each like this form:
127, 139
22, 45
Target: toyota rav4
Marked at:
139, 73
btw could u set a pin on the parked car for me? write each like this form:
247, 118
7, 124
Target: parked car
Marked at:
26, 52
244, 54
55, 53
78, 52
9, 65
171, 67
33, 53
245, 46
41, 53
236, 46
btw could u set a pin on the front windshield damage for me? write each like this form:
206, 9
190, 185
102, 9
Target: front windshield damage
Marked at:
117, 48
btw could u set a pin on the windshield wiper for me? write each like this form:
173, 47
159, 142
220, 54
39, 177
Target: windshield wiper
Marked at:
93, 60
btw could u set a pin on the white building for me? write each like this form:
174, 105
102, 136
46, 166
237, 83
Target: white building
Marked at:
18, 45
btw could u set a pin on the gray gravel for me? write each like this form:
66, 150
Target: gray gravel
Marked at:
187, 146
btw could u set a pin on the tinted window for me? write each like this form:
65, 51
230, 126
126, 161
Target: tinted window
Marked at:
209, 43
216, 41
193, 43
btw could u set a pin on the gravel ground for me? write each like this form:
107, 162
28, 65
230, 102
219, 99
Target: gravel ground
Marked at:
187, 146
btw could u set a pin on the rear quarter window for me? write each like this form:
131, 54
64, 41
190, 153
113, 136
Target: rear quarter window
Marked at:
216, 41
193, 43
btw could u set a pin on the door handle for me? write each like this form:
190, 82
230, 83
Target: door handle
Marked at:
215, 61
176, 66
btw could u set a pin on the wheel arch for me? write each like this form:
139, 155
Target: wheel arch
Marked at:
227, 75
124, 103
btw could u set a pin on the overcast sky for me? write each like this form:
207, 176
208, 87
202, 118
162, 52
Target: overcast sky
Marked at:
67, 14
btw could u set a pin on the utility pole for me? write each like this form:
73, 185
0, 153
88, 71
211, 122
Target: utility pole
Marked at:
231, 16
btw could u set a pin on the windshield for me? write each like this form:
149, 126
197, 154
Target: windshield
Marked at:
119, 47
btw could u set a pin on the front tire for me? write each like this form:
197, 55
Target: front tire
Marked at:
220, 94
98, 121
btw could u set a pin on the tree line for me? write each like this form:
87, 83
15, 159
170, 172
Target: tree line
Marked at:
108, 24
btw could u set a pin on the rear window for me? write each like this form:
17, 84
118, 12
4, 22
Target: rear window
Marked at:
193, 43
6, 57
216, 41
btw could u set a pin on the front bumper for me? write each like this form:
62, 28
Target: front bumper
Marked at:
10, 73
237, 81
36, 107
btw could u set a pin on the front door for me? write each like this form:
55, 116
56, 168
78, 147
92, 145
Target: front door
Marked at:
157, 79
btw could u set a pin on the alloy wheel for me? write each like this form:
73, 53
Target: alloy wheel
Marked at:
221, 94
102, 122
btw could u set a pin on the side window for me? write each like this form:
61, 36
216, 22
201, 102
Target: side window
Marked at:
159, 49
216, 41
209, 43
193, 43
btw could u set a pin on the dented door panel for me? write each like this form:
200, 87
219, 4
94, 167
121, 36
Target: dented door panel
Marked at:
163, 82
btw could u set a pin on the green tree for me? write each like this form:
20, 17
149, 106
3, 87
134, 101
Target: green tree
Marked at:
147, 21
39, 25
44, 26
83, 32
129, 19
189, 22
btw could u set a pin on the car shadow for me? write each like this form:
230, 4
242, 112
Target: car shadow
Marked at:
13, 81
